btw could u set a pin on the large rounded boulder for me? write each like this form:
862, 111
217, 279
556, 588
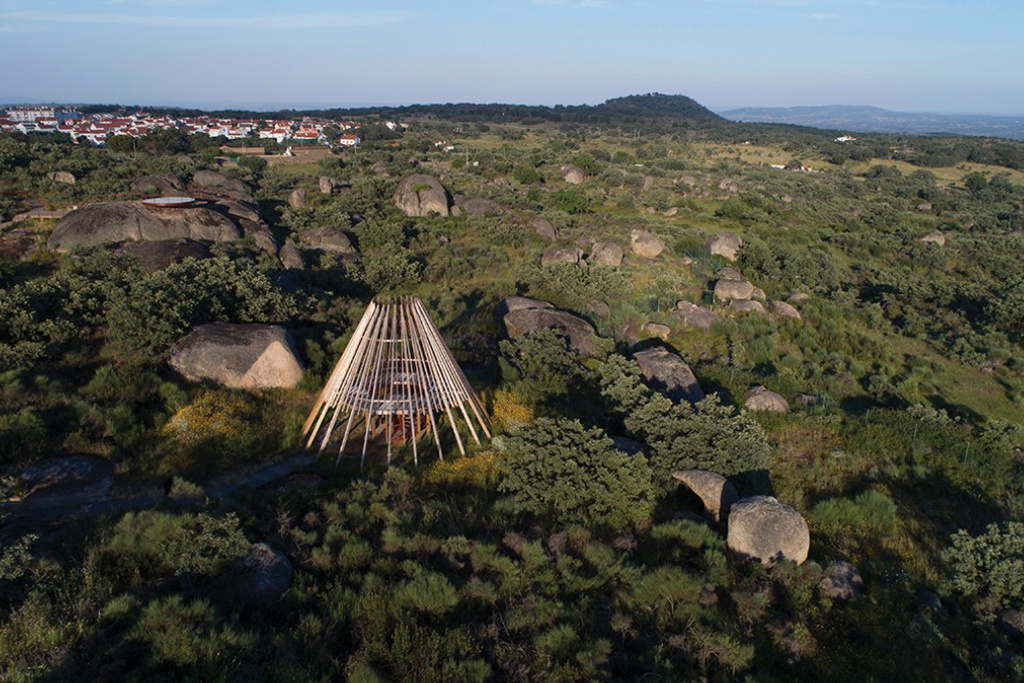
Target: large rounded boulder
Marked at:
645, 244
250, 356
107, 222
728, 289
666, 372
421, 195
767, 530
761, 399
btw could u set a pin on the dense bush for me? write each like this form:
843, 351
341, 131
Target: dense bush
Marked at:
560, 472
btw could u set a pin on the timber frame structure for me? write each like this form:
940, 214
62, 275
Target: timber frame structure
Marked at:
395, 375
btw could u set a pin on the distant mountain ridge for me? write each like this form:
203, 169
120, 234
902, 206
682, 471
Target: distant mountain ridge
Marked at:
658, 107
864, 119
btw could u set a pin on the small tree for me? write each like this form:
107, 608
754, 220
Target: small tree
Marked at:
561, 472
988, 567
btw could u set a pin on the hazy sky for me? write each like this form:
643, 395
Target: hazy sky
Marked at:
951, 56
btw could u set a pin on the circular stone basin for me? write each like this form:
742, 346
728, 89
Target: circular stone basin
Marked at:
169, 202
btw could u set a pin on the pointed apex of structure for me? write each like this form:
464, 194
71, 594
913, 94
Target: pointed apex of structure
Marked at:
395, 377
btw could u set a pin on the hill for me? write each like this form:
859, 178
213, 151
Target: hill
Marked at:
862, 119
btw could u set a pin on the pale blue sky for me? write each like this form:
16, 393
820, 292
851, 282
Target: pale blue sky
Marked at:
951, 56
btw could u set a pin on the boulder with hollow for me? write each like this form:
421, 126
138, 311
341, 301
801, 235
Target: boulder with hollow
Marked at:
715, 491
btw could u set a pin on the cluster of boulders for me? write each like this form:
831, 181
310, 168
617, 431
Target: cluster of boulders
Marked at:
226, 211
766, 530
741, 295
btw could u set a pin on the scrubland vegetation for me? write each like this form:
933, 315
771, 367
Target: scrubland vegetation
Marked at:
547, 554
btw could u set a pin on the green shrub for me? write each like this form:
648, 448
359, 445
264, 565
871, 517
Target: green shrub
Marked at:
561, 472
988, 567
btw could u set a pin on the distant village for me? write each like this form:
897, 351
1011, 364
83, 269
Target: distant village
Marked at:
96, 129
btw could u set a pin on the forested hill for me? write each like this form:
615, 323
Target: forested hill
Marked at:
666, 108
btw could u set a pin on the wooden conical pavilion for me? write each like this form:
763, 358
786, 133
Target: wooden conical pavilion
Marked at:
396, 374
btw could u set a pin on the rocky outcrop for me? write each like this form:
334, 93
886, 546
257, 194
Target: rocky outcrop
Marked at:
85, 476
693, 315
421, 195
935, 237
666, 372
582, 336
841, 581
215, 183
606, 254
153, 256
767, 530
645, 244
726, 244
573, 256
327, 239
107, 222
761, 399
715, 491
251, 356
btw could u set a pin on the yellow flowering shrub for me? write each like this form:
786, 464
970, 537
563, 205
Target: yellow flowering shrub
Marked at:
471, 471
509, 411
